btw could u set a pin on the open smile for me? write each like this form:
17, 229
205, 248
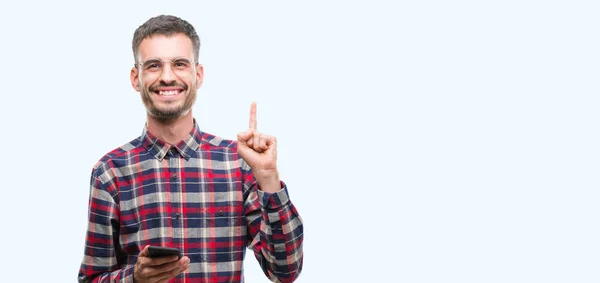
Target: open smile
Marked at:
168, 92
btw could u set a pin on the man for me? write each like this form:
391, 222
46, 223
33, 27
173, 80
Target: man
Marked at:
179, 187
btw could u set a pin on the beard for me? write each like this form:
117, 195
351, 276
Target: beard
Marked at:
170, 110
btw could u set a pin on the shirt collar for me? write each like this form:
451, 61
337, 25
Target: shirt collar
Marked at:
185, 147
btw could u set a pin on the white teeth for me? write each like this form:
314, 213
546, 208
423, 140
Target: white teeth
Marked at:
168, 93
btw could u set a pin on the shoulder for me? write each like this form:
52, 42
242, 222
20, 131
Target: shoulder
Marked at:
210, 141
221, 149
118, 157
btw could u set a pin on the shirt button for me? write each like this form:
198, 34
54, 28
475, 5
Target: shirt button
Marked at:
174, 176
220, 213
176, 215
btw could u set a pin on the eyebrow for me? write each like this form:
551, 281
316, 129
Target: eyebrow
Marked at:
176, 58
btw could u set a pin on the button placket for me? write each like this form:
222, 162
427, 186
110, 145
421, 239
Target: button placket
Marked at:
175, 190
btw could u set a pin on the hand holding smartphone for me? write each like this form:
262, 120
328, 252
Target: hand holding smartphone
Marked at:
159, 261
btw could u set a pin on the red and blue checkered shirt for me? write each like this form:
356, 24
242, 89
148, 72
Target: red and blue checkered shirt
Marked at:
198, 196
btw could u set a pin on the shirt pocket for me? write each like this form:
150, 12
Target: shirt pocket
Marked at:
223, 227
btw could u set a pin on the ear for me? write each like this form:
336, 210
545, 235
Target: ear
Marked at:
199, 75
134, 76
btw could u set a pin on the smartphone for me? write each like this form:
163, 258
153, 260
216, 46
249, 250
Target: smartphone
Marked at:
163, 251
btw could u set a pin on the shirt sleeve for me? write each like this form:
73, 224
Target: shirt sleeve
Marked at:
275, 230
99, 263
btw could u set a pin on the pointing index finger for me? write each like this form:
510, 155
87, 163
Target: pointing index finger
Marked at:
253, 116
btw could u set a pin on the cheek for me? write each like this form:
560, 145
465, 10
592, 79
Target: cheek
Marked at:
146, 86
141, 85
195, 83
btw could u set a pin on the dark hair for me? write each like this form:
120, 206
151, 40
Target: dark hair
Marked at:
165, 25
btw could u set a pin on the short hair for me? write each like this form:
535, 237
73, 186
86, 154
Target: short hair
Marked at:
165, 25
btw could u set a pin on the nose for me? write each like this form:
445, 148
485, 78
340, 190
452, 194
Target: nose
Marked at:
167, 76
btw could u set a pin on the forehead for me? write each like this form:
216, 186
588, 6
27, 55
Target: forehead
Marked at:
166, 47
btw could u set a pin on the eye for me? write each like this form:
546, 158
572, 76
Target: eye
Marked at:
182, 64
152, 66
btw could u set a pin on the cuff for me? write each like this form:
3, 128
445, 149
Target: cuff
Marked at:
274, 200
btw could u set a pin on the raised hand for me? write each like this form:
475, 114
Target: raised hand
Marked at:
260, 152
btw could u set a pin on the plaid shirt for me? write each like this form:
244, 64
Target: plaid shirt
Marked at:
199, 196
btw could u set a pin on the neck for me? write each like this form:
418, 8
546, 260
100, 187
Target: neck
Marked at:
171, 131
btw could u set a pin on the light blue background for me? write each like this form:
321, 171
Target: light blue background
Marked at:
422, 141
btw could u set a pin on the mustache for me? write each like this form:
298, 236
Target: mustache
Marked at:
163, 84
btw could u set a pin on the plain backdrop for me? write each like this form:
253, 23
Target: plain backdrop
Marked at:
422, 141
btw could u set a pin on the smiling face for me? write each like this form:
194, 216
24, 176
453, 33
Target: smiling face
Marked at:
167, 88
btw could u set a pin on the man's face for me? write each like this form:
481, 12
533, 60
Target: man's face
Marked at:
167, 86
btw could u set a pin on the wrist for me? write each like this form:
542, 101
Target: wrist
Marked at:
268, 181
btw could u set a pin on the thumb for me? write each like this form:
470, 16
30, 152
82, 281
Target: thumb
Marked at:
145, 251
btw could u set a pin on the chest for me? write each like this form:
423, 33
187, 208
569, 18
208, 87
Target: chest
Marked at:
172, 199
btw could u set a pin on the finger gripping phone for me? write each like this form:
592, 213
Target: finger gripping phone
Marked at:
155, 251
